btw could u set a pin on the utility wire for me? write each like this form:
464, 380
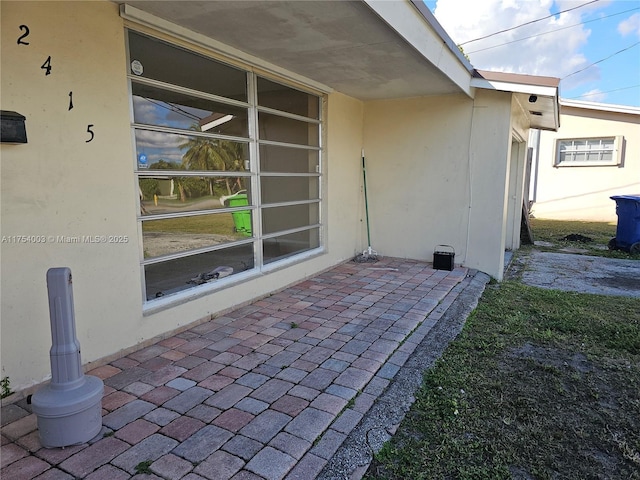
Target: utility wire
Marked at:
552, 31
601, 60
528, 23
173, 108
600, 93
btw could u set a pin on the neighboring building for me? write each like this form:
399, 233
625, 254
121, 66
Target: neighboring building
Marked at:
595, 154
146, 121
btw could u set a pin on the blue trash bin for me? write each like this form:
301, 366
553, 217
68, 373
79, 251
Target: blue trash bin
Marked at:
628, 230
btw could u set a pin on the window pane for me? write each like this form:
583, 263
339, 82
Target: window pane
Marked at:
151, 58
169, 151
581, 145
154, 106
285, 246
587, 150
287, 130
165, 194
289, 189
176, 275
291, 160
278, 219
287, 99
175, 235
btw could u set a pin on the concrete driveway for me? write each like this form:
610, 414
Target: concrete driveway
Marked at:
577, 273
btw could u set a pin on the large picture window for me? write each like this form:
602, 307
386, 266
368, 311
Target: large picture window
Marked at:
228, 166
584, 152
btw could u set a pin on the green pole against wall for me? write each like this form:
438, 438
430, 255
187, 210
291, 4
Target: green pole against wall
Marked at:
369, 255
366, 202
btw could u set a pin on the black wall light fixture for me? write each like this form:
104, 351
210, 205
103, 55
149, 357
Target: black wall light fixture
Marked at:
533, 98
12, 127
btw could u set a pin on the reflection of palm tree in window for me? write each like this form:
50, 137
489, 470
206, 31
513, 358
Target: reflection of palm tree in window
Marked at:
206, 154
202, 154
234, 153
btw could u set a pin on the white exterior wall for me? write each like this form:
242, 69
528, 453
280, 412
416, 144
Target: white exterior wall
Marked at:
57, 185
583, 193
437, 173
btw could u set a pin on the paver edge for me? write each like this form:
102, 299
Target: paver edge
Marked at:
351, 460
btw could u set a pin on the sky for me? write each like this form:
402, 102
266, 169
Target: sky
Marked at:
579, 38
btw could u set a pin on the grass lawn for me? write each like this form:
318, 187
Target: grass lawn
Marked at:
540, 384
214, 223
598, 233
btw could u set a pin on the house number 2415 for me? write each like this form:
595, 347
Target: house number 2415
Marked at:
48, 67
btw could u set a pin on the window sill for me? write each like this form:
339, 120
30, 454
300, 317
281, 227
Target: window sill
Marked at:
587, 164
170, 301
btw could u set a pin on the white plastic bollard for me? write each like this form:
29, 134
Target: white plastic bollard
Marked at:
69, 408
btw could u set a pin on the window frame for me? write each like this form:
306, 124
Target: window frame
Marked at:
253, 174
616, 152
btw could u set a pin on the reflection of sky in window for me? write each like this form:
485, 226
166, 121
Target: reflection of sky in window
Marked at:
156, 112
160, 146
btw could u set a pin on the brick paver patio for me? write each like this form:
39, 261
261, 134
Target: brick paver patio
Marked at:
268, 391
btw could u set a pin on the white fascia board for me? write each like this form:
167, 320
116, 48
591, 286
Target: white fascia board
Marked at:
515, 87
604, 107
245, 59
414, 28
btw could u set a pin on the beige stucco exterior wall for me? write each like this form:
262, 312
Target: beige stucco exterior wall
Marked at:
416, 152
58, 185
491, 137
583, 193
436, 171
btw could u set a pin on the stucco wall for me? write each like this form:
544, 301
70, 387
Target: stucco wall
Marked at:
416, 152
582, 193
58, 185
437, 173
491, 137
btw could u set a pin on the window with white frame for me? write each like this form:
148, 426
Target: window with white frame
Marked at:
580, 152
228, 166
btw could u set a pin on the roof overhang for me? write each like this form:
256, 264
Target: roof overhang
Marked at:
366, 49
538, 96
601, 107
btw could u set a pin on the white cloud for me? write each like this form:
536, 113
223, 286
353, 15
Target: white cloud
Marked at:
595, 95
151, 139
555, 54
630, 26
144, 111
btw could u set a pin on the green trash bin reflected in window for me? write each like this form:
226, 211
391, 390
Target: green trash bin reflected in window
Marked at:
242, 218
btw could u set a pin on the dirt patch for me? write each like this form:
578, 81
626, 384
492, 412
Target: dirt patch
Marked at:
576, 237
625, 282
164, 243
552, 357
588, 405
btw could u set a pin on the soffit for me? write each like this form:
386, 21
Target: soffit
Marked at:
538, 96
344, 45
